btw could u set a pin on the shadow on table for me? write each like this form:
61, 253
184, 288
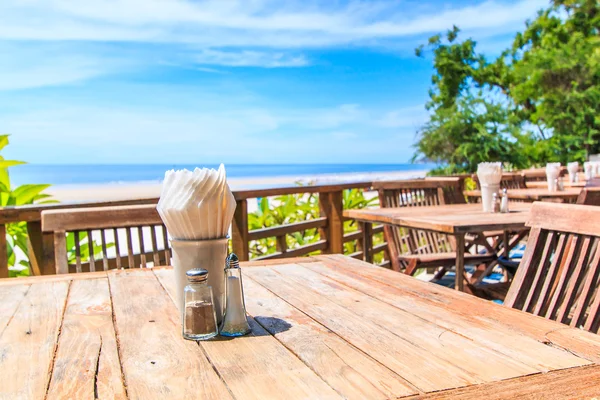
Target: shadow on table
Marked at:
273, 325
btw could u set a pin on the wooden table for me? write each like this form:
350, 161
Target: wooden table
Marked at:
569, 195
456, 220
544, 185
326, 327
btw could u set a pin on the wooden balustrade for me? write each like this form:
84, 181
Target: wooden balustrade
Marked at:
329, 224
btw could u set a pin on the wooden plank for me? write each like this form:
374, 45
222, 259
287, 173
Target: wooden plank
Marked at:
77, 250
87, 362
257, 365
28, 342
254, 193
10, 298
104, 253
92, 261
451, 219
331, 207
296, 252
535, 194
155, 255
494, 336
157, 362
286, 229
262, 263
459, 283
346, 369
573, 383
423, 369
27, 280
239, 230
483, 362
576, 341
36, 246
367, 242
430, 183
560, 217
48, 256
3, 252
100, 218
32, 213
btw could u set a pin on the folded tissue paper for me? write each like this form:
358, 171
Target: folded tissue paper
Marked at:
489, 175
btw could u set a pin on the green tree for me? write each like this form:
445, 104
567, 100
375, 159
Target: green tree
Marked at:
537, 102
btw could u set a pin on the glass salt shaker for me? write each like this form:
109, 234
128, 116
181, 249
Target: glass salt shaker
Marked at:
504, 202
199, 318
561, 184
495, 203
234, 321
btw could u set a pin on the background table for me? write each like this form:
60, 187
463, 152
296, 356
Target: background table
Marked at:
324, 327
455, 219
569, 195
544, 185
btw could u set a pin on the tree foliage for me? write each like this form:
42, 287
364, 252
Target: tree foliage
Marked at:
537, 102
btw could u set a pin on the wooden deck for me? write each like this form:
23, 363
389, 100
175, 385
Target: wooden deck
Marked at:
323, 327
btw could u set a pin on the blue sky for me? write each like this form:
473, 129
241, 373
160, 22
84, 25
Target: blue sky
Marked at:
189, 81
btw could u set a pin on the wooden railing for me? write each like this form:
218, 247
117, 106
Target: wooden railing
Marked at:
329, 223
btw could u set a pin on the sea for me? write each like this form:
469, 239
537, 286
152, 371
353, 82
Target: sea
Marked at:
154, 173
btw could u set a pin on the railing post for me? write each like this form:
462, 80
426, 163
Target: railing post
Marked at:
367, 240
3, 252
331, 204
239, 230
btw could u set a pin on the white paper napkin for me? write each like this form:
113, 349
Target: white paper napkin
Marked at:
196, 205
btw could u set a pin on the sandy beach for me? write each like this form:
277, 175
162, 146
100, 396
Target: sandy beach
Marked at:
141, 190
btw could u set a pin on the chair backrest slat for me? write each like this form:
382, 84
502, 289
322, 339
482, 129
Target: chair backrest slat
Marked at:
97, 231
104, 253
559, 275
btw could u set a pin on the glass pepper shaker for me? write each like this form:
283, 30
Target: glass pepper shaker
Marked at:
495, 203
199, 318
234, 321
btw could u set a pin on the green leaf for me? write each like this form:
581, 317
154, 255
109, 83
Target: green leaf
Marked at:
10, 163
3, 141
25, 194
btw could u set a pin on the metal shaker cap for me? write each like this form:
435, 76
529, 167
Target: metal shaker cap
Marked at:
197, 275
232, 261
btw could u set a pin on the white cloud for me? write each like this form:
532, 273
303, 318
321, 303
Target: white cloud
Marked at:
210, 131
408, 117
58, 42
265, 23
248, 58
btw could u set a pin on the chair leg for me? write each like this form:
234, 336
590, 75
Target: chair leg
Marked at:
411, 268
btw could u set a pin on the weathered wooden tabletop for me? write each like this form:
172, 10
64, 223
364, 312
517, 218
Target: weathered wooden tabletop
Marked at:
535, 194
451, 219
544, 185
323, 327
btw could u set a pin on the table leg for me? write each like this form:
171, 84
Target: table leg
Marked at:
505, 238
367, 244
460, 262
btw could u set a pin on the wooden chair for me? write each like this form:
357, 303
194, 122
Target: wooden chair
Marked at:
559, 276
411, 249
589, 196
137, 233
539, 174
